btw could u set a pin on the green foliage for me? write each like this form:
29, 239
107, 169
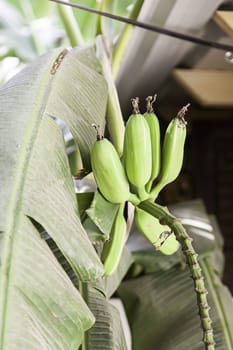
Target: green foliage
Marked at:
113, 29
102, 214
33, 8
36, 184
88, 22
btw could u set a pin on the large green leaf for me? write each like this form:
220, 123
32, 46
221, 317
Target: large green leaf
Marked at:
42, 309
110, 327
162, 311
39, 307
160, 308
102, 213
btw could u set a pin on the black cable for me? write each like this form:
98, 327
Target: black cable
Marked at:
151, 27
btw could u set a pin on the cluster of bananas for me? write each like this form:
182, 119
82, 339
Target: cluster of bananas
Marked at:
132, 177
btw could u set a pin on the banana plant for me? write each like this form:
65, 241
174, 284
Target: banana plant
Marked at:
53, 293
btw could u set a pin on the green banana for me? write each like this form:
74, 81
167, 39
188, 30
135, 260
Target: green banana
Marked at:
172, 152
137, 151
170, 245
153, 231
114, 247
109, 172
153, 123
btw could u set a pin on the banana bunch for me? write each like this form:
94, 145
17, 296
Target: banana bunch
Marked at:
132, 178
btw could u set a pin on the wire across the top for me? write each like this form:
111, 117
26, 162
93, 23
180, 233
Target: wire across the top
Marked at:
153, 28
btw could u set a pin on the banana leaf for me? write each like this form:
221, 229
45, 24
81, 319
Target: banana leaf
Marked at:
102, 213
39, 305
109, 330
162, 312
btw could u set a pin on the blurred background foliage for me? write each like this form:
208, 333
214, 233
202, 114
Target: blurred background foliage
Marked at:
29, 28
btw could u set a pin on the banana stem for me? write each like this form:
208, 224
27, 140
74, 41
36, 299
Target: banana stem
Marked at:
155, 191
166, 218
124, 39
70, 24
115, 122
134, 199
29, 15
149, 186
143, 195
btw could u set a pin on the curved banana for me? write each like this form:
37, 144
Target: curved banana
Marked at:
153, 123
114, 248
109, 172
170, 245
137, 151
159, 235
172, 151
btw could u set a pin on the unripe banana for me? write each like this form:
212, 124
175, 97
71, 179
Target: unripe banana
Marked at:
137, 151
154, 127
109, 172
148, 225
116, 243
152, 230
172, 151
170, 245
